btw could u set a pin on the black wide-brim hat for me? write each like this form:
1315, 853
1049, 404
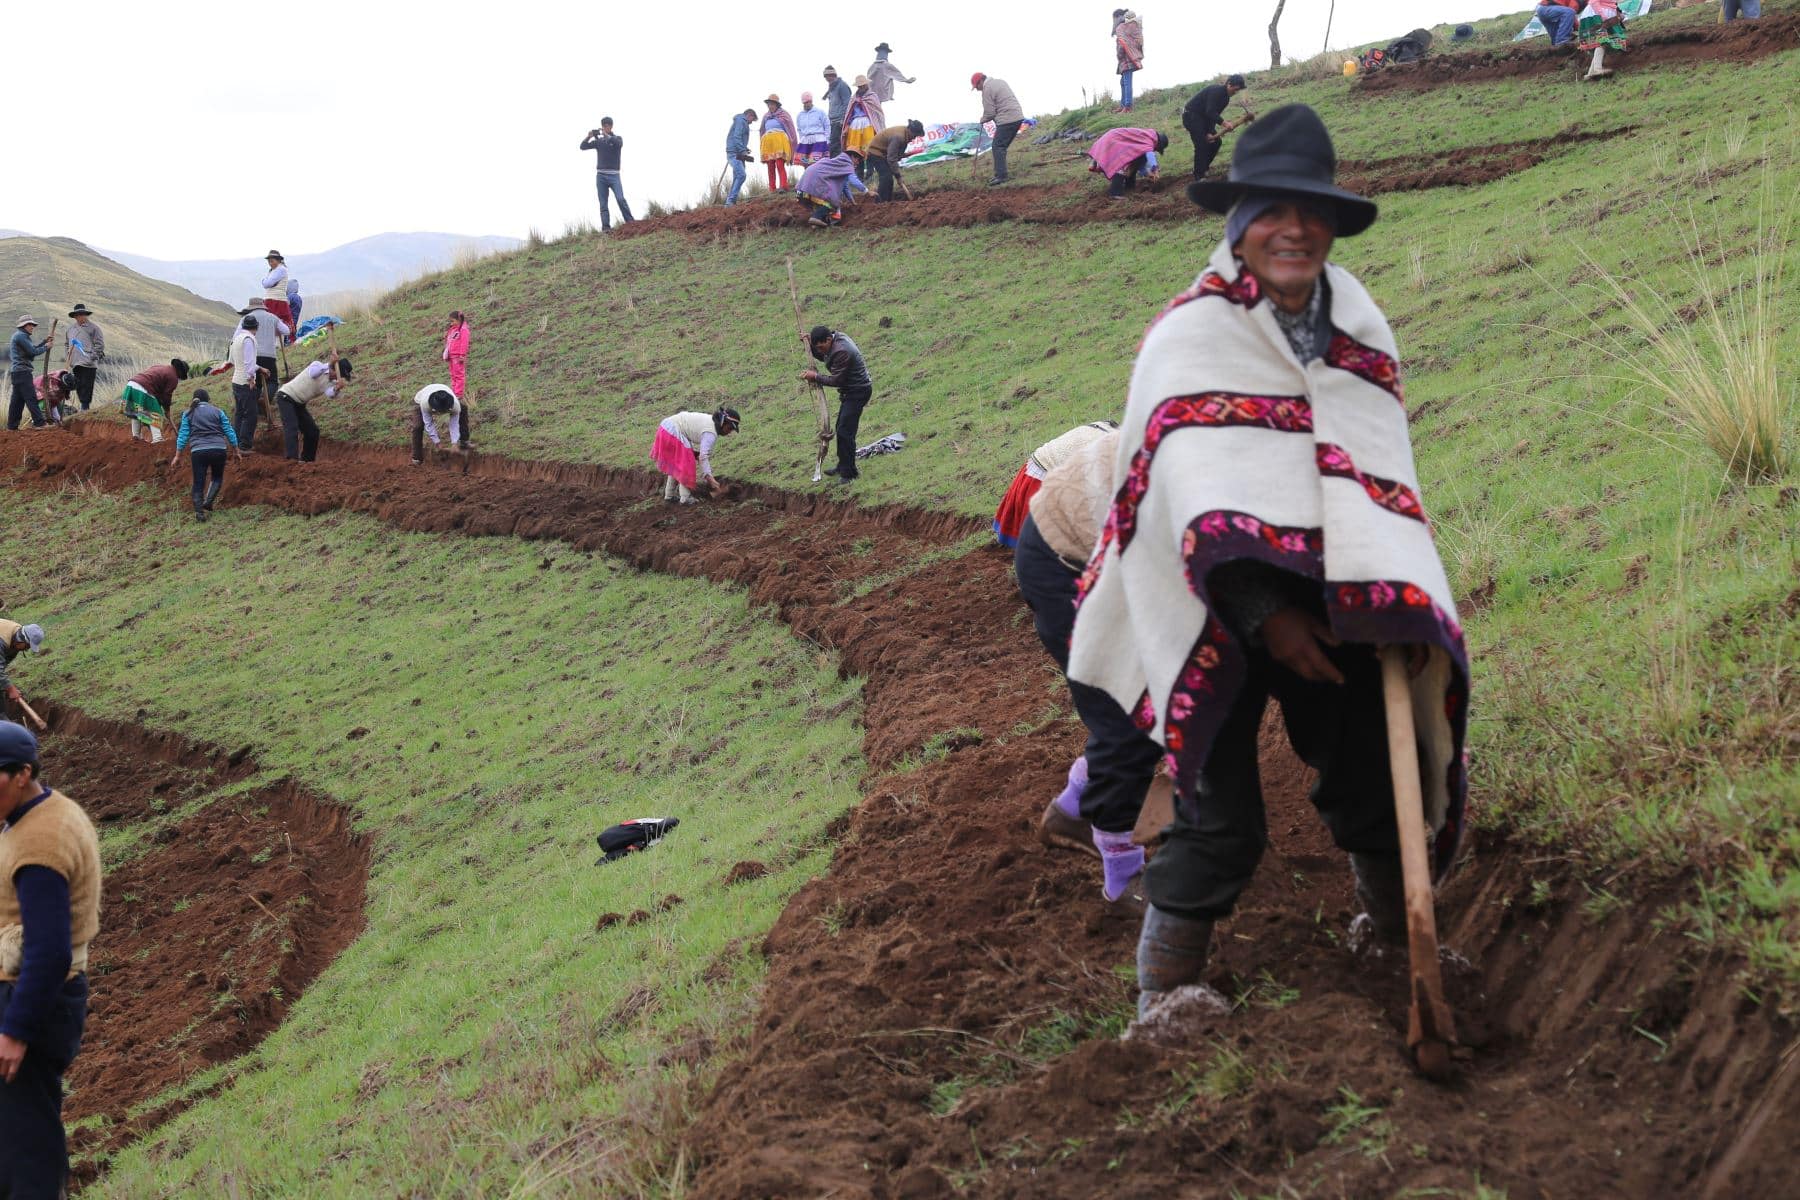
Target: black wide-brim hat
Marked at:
884, 48
81, 310
1287, 152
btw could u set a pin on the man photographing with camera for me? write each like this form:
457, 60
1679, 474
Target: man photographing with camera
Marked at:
607, 146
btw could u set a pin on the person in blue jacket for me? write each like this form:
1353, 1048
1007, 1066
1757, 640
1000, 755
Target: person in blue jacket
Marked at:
737, 151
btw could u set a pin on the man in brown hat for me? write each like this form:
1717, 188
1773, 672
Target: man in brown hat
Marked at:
274, 288
883, 75
84, 349
24, 393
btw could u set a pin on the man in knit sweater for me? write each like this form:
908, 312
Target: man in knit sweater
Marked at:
49, 894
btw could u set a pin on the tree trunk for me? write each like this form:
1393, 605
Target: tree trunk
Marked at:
1329, 18
1274, 37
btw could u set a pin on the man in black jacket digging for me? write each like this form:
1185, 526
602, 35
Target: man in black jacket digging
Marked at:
845, 371
1201, 118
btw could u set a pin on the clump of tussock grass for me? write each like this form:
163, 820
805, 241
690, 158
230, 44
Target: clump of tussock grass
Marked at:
1713, 362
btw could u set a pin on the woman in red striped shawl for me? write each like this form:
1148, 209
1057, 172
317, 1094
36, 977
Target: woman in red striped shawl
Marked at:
1266, 536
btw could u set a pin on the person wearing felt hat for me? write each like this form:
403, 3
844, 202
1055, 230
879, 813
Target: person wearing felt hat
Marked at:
1266, 536
50, 912
883, 75
24, 393
84, 349
275, 287
430, 402
299, 432
271, 334
862, 121
779, 136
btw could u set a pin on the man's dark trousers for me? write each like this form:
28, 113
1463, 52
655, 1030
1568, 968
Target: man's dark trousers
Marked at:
884, 172
1003, 137
299, 432
1221, 830
244, 412
849, 416
268, 363
24, 396
34, 1151
837, 136
84, 384
1121, 760
1206, 148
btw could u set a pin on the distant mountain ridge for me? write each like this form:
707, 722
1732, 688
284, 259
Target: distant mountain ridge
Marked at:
144, 319
374, 263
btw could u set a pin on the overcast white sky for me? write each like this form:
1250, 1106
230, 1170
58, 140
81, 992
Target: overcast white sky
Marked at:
215, 130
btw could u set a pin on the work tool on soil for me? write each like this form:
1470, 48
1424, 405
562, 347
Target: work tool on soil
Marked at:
32, 713
49, 354
1430, 1029
825, 432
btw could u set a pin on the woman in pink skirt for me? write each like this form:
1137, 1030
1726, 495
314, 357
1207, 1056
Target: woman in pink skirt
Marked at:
683, 450
456, 352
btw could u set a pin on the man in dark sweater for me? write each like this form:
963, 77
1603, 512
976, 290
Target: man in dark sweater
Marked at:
845, 371
607, 146
1201, 119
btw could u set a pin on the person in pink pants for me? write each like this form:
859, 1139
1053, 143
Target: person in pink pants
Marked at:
456, 351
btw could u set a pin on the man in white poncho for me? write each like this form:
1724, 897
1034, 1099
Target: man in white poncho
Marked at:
1266, 536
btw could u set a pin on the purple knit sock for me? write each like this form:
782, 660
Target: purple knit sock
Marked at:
1121, 858
1070, 800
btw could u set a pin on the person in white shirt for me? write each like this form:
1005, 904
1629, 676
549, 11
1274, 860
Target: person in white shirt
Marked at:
246, 375
271, 332
683, 450
432, 401
299, 432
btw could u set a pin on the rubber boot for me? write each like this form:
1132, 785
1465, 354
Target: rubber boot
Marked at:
1597, 68
669, 488
199, 511
1061, 826
1121, 859
1171, 953
212, 493
1381, 891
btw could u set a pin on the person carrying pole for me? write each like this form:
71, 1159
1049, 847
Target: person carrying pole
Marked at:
1266, 537
999, 105
204, 434
24, 392
845, 371
50, 891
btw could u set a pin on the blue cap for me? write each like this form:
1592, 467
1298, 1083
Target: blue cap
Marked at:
17, 745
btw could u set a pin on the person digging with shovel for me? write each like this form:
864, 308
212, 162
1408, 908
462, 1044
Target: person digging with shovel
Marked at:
432, 401
1266, 536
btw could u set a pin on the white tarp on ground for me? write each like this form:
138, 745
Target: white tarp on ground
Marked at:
1631, 10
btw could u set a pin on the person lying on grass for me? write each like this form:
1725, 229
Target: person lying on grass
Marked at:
432, 401
683, 449
204, 434
1266, 536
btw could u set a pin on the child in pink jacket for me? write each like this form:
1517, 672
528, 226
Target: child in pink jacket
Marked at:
456, 352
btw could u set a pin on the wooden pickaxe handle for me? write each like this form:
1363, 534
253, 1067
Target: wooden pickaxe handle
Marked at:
1430, 1029
825, 431
32, 713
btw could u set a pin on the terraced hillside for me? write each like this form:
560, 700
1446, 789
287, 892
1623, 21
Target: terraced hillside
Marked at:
483, 659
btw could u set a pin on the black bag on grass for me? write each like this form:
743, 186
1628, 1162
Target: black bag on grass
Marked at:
628, 837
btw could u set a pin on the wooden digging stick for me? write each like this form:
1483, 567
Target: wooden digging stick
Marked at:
49, 354
32, 713
818, 392
1430, 1029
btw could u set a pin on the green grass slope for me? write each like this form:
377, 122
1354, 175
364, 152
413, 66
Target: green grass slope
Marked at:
144, 319
1630, 605
517, 699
